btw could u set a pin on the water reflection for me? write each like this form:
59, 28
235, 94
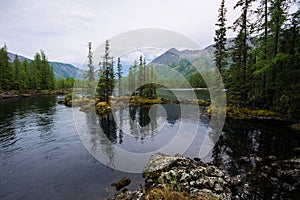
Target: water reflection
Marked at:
146, 130
142, 122
38, 136
42, 156
137, 122
109, 128
139, 130
21, 115
253, 139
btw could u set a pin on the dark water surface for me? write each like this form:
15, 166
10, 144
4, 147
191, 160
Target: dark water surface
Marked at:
187, 93
43, 157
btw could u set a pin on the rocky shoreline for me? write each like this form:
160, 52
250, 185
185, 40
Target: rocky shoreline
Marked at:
121, 102
8, 95
117, 103
177, 177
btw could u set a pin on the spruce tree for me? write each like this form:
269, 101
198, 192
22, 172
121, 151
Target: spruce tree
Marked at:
27, 69
90, 73
141, 76
5, 70
130, 80
106, 81
18, 75
145, 78
238, 83
47, 73
36, 71
111, 78
119, 74
262, 27
220, 39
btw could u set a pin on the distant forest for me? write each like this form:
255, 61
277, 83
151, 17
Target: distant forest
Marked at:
29, 76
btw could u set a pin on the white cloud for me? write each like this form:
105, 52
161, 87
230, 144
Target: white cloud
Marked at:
62, 28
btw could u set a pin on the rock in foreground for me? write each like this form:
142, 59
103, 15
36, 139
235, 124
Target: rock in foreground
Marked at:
176, 177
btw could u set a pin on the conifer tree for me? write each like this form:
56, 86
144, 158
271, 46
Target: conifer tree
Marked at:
141, 76
237, 83
220, 39
5, 70
90, 73
36, 69
27, 69
106, 82
18, 75
46, 72
119, 74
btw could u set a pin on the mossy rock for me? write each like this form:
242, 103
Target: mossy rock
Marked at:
121, 183
296, 126
102, 108
167, 194
161, 162
246, 113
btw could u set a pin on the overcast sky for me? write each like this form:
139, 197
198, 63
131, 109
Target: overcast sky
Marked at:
62, 28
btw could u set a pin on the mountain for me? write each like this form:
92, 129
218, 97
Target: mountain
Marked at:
169, 57
21, 58
60, 69
128, 58
186, 62
174, 56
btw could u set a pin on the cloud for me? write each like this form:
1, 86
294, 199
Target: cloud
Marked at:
62, 28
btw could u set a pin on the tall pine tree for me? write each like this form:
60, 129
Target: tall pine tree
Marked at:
220, 39
238, 84
106, 82
119, 74
5, 70
90, 73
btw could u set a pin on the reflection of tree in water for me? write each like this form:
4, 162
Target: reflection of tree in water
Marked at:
143, 116
141, 124
173, 112
132, 124
246, 139
132, 112
255, 153
153, 122
234, 143
100, 139
109, 127
120, 135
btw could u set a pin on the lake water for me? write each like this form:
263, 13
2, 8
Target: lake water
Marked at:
187, 93
44, 154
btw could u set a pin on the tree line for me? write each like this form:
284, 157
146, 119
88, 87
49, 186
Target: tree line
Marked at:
261, 68
140, 80
32, 75
25, 75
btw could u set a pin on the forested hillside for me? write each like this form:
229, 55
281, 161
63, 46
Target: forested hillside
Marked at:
23, 75
61, 70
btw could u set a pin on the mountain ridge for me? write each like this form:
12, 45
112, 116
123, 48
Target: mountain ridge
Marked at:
60, 69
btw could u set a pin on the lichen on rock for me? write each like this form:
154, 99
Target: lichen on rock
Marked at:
168, 177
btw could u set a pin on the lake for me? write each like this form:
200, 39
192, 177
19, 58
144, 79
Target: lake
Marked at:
184, 93
49, 151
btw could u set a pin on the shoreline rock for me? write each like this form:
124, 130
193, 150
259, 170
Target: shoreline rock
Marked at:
177, 177
296, 126
9, 95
